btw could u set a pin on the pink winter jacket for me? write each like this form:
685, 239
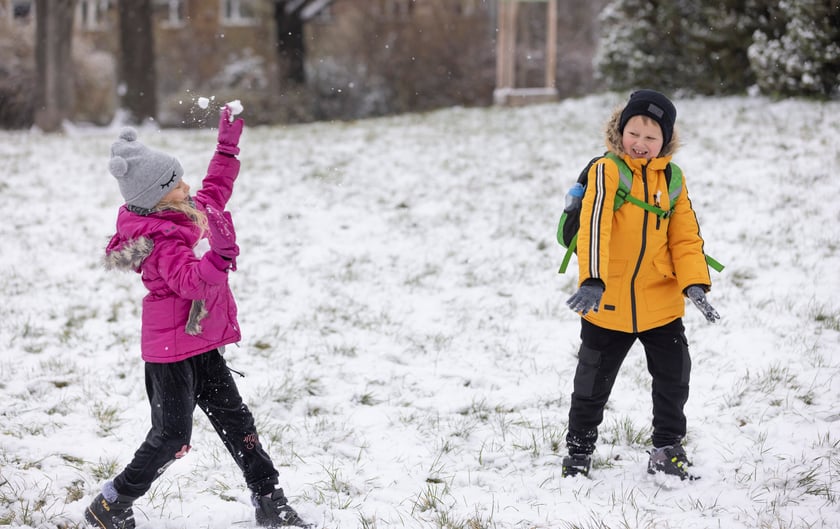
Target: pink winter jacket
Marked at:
189, 309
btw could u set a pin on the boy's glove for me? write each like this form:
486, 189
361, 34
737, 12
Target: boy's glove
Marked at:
697, 295
222, 235
229, 132
588, 297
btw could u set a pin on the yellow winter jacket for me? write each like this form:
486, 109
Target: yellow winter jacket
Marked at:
644, 261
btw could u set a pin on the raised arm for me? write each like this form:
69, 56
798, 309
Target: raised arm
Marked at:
217, 186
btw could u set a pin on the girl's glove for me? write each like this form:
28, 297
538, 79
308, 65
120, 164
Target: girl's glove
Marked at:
229, 132
222, 235
697, 295
587, 298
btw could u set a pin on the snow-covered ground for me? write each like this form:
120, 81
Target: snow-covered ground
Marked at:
407, 351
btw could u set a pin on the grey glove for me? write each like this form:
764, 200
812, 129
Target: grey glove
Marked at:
697, 295
587, 298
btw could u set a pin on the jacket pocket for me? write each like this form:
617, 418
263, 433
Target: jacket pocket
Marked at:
660, 289
160, 315
664, 266
615, 281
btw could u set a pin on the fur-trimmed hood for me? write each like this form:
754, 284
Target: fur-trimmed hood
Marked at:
613, 138
134, 241
127, 255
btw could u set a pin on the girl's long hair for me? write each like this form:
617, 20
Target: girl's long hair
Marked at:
187, 207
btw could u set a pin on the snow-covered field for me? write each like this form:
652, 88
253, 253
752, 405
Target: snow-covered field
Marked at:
407, 351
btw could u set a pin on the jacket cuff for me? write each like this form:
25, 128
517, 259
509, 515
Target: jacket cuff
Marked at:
706, 288
213, 268
594, 281
229, 150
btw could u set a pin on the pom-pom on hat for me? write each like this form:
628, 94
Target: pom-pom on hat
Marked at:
145, 176
654, 105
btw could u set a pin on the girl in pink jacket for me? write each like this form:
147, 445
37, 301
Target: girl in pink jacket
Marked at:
189, 315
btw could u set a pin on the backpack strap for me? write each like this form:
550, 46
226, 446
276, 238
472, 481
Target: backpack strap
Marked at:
625, 180
568, 255
674, 178
673, 175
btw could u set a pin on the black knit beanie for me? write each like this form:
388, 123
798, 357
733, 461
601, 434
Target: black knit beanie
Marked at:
654, 105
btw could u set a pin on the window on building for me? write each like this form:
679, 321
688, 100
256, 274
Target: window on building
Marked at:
21, 10
238, 12
173, 13
90, 14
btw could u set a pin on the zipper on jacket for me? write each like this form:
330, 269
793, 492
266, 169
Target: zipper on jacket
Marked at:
642, 247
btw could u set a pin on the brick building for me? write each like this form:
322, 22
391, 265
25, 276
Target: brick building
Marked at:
362, 57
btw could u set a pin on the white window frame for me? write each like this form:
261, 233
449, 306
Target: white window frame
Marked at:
91, 14
176, 13
231, 13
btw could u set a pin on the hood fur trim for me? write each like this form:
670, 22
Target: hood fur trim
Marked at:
130, 255
613, 137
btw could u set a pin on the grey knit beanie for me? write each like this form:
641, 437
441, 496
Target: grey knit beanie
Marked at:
145, 176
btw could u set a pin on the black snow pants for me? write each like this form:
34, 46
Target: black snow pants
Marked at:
174, 390
602, 352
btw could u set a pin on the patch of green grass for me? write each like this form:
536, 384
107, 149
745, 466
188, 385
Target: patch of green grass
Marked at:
105, 469
107, 417
826, 316
623, 431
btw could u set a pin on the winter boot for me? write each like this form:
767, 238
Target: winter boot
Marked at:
273, 510
576, 464
670, 460
104, 514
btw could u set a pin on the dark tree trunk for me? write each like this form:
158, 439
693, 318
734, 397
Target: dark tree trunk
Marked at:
54, 94
291, 49
137, 60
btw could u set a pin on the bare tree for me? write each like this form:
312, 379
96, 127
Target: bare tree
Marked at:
54, 95
137, 60
291, 16
291, 48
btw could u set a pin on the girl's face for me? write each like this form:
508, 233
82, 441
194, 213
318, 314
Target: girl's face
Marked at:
642, 138
179, 193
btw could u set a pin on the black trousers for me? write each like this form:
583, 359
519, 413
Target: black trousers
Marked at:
174, 390
602, 352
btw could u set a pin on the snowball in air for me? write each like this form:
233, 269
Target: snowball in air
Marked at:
235, 107
203, 102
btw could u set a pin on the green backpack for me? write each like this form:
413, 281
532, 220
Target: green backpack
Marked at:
567, 228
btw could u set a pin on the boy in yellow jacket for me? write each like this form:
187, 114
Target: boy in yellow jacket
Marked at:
635, 267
